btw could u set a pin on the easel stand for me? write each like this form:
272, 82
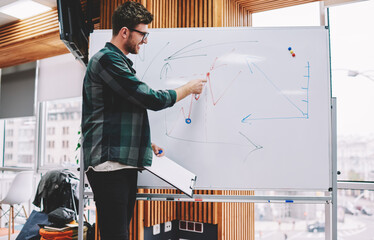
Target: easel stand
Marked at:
330, 198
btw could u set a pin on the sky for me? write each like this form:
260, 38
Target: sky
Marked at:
352, 48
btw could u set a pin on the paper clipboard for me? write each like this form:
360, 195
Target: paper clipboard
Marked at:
173, 173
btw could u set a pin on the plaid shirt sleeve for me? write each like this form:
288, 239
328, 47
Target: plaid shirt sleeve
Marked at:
115, 122
118, 76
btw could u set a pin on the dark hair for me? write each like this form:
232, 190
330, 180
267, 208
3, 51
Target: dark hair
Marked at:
129, 15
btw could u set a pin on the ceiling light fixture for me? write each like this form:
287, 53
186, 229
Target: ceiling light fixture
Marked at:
22, 9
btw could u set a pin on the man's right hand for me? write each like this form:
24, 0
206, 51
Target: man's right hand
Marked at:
192, 87
196, 86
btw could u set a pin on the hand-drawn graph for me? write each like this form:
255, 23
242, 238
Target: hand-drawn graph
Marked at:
228, 71
301, 105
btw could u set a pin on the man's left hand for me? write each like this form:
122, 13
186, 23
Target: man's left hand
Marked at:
159, 152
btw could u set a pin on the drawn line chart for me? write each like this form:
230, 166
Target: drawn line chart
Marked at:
210, 98
195, 98
303, 114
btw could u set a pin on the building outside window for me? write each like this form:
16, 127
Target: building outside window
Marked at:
9, 132
19, 147
352, 64
51, 131
65, 130
51, 144
9, 144
63, 116
65, 144
352, 58
50, 159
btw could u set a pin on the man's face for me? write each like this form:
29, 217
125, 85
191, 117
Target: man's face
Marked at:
136, 38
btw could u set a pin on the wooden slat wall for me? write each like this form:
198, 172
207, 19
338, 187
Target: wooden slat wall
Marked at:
199, 13
237, 219
185, 13
234, 220
150, 213
205, 212
235, 15
266, 5
156, 212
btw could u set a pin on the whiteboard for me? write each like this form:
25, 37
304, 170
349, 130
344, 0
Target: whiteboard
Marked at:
263, 120
181, 178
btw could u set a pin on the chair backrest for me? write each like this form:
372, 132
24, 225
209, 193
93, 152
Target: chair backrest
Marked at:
20, 190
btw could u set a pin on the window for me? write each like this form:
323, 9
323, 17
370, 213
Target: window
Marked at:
51, 144
25, 158
52, 117
355, 213
300, 15
9, 144
64, 160
65, 130
50, 159
51, 131
19, 139
26, 133
62, 129
65, 144
9, 133
352, 54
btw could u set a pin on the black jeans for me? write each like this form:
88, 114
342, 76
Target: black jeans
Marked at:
115, 196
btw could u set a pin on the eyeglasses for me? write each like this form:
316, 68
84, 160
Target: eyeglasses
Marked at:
145, 34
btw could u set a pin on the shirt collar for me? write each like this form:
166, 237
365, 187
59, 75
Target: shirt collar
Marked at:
113, 47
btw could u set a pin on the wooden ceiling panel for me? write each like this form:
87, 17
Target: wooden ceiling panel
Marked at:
30, 40
36, 38
43, 46
265, 5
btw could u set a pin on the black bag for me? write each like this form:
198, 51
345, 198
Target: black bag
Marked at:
30, 230
61, 216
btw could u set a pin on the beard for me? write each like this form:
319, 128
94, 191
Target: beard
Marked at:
131, 46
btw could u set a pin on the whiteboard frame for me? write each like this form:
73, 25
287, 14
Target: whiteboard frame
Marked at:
238, 29
330, 200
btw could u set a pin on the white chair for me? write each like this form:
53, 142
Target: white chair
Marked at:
20, 191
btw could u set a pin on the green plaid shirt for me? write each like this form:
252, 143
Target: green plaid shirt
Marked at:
115, 123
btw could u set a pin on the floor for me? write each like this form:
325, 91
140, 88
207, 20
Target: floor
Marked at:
4, 234
11, 237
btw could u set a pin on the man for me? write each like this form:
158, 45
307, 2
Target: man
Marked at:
116, 134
